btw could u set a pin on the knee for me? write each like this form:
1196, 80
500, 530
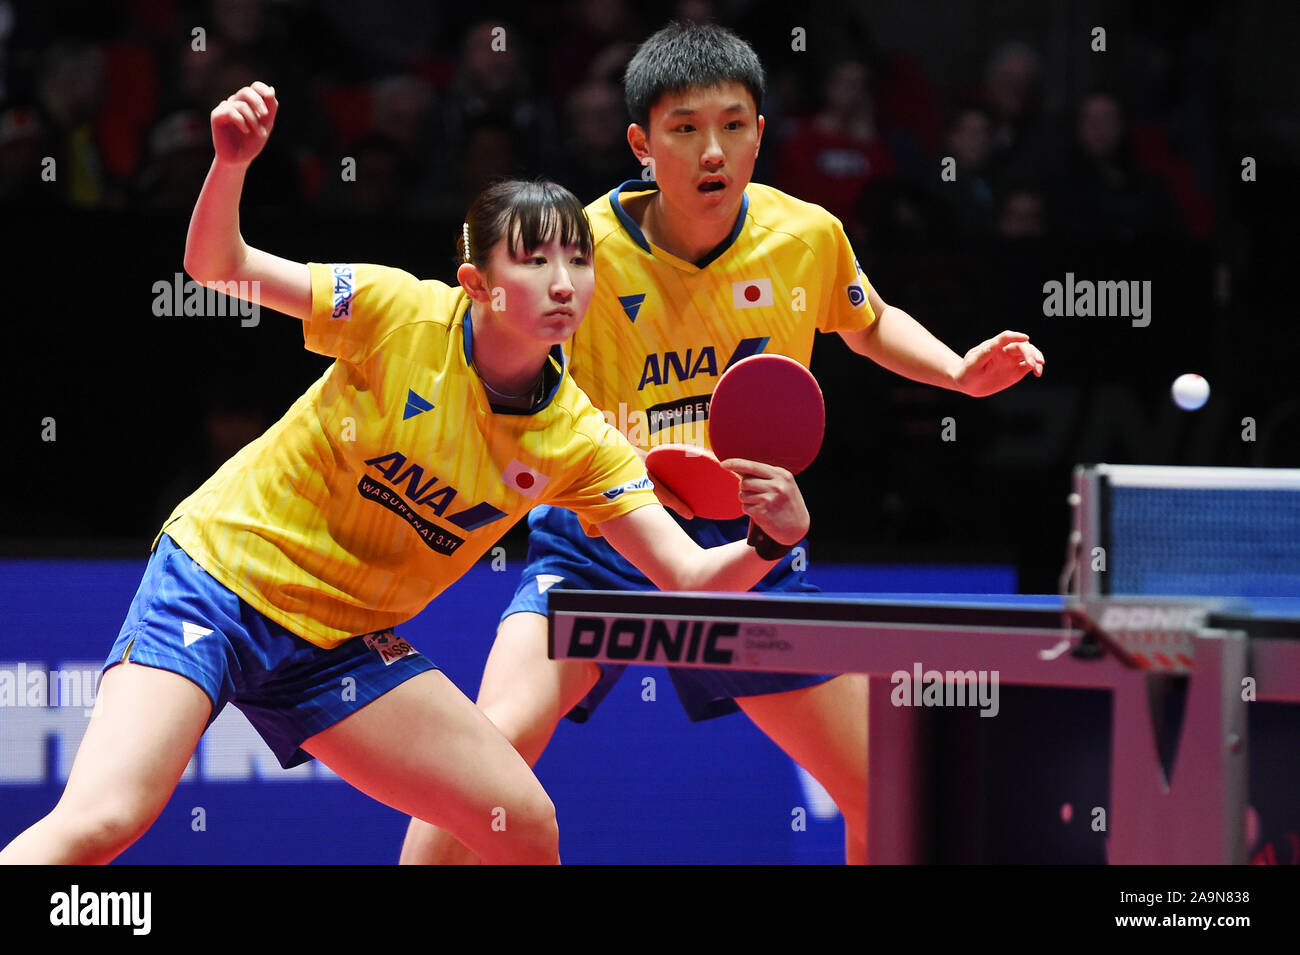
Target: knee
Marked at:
539, 840
98, 834
531, 833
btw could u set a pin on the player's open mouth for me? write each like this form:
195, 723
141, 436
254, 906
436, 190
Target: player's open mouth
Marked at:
712, 185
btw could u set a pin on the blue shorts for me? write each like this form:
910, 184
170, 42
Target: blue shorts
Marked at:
558, 547
184, 621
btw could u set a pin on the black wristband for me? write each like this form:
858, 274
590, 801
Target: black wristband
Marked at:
764, 546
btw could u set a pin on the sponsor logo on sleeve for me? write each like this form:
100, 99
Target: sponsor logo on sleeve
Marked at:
344, 283
857, 294
636, 485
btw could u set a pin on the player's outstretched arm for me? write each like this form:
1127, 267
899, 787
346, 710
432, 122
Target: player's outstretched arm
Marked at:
215, 250
661, 550
900, 343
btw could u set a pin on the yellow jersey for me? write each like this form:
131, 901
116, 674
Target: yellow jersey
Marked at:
661, 330
394, 473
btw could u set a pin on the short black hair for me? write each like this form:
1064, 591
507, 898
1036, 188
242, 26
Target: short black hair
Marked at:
685, 56
525, 213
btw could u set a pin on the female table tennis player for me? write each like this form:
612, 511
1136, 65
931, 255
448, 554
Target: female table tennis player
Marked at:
447, 415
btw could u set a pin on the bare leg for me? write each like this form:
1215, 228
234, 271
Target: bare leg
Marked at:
823, 728
143, 732
427, 751
525, 694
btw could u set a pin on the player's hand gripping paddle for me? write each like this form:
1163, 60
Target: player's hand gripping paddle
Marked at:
767, 408
695, 476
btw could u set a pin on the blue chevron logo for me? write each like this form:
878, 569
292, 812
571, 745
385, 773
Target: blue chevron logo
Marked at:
415, 405
631, 305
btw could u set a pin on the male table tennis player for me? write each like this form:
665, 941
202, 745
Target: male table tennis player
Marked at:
697, 268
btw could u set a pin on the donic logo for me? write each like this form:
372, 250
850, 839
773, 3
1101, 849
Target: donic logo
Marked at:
408, 489
657, 641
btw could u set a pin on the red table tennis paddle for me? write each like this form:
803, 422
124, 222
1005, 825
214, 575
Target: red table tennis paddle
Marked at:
694, 475
767, 408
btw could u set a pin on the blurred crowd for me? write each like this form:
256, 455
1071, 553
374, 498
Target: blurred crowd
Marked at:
429, 102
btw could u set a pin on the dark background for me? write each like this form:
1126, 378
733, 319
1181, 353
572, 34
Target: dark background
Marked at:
1118, 165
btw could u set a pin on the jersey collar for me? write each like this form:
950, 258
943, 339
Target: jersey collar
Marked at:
634, 230
555, 379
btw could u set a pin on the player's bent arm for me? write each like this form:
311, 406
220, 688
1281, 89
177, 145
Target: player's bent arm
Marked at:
655, 545
215, 251
216, 254
898, 342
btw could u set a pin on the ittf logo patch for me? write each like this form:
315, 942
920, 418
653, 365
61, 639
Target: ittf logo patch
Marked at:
754, 293
524, 479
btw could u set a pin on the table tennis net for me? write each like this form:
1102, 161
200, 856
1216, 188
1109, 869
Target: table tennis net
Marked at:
1231, 542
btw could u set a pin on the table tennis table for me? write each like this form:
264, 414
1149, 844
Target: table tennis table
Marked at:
1222, 654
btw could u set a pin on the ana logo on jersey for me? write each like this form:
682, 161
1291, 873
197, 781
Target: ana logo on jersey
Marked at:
431, 494
660, 370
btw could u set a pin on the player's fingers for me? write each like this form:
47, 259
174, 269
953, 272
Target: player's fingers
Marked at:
228, 115
250, 115
1032, 358
1010, 336
669, 499
254, 99
1025, 353
755, 469
1035, 359
264, 90
272, 103
246, 120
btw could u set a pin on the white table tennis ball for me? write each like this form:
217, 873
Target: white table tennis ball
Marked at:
1190, 391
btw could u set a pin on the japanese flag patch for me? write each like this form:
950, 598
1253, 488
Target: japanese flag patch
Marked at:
520, 477
754, 293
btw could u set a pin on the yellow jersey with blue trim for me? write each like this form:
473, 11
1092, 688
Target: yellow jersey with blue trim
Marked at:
661, 330
394, 472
